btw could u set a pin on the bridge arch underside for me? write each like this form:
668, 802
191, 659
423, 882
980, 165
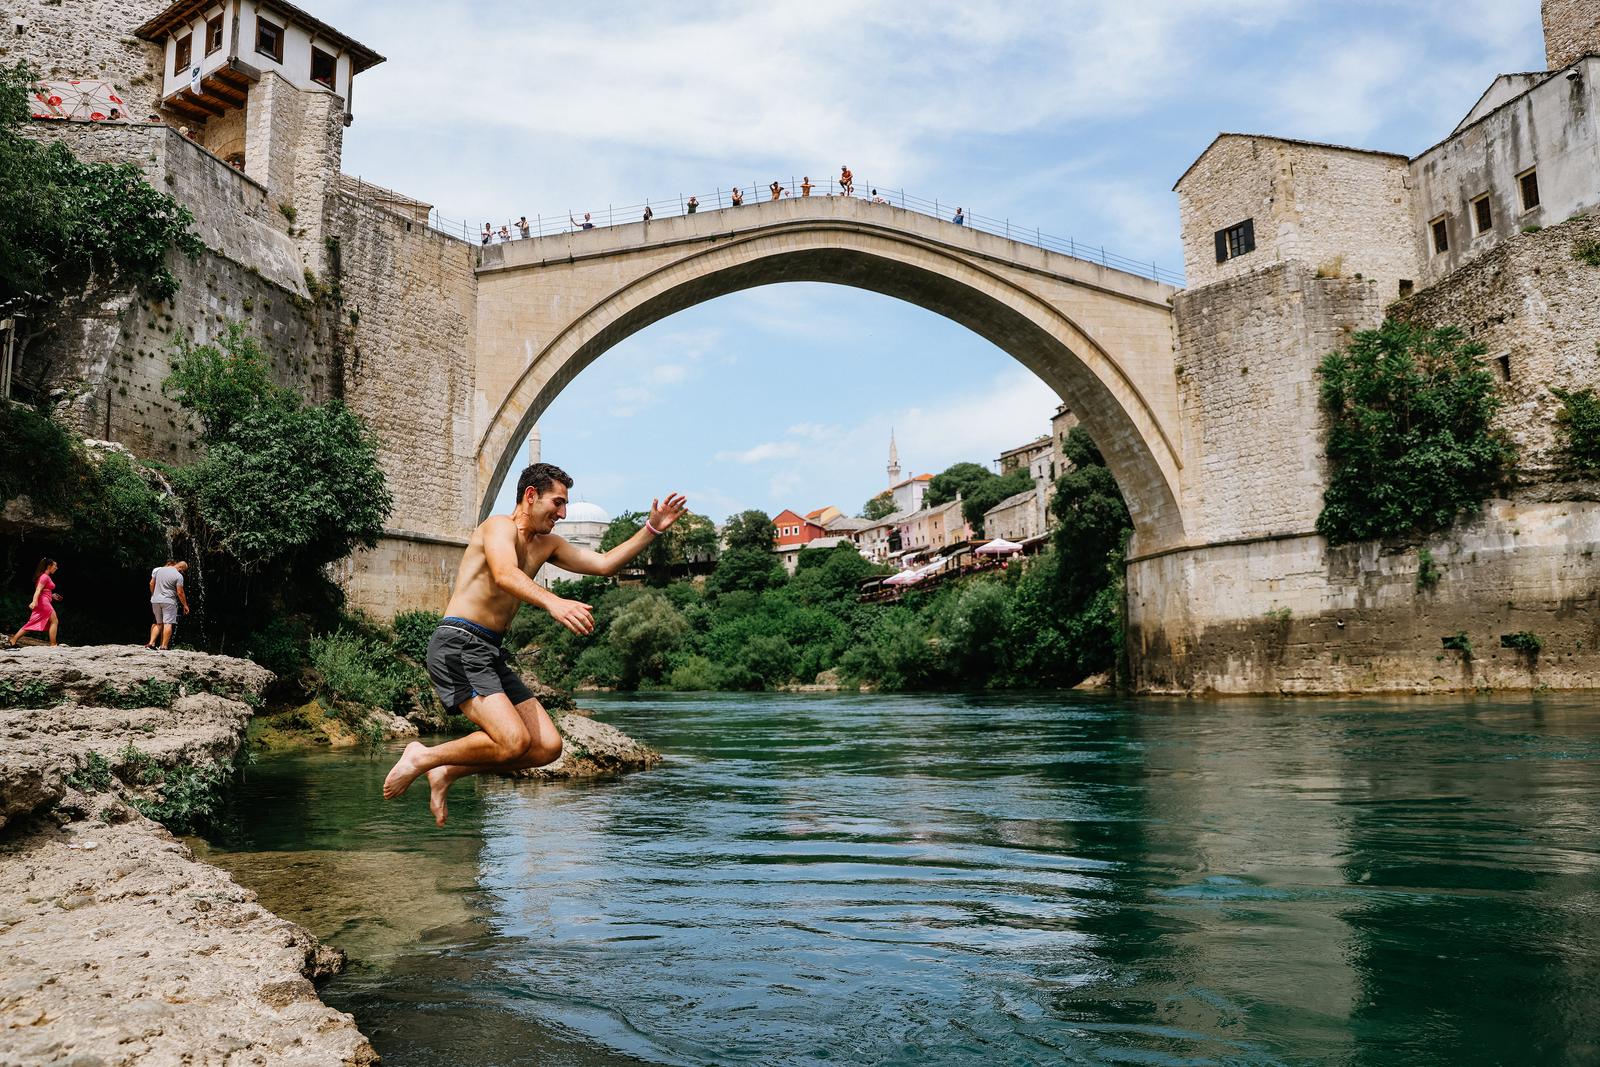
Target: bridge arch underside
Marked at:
1141, 455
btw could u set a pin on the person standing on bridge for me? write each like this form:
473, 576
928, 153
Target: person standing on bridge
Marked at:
648, 214
522, 224
777, 189
692, 206
737, 197
586, 224
959, 218
806, 186
847, 181
470, 669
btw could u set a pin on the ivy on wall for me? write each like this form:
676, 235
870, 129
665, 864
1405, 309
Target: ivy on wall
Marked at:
1411, 441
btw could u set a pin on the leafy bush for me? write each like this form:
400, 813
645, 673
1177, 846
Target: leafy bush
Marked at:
94, 776
1523, 641
150, 693
186, 796
357, 671
412, 632
1587, 250
1578, 429
1427, 570
694, 672
1411, 442
282, 646
29, 694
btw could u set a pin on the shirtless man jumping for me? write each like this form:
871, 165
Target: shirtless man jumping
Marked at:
470, 669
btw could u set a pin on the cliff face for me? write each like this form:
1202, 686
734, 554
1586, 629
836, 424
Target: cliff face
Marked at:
116, 945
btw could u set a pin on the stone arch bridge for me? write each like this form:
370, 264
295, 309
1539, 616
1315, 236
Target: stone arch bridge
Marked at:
1101, 338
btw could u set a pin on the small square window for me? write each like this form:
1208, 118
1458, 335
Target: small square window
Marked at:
269, 38
1528, 183
1441, 234
183, 53
1235, 241
213, 35
323, 67
1481, 214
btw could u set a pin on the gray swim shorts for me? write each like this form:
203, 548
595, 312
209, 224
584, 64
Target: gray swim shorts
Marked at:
165, 612
466, 660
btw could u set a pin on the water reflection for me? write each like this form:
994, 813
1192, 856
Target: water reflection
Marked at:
955, 879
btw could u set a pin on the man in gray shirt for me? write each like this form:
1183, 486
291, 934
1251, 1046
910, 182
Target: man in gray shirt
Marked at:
166, 596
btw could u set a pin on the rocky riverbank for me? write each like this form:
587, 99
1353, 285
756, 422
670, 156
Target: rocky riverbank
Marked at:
117, 945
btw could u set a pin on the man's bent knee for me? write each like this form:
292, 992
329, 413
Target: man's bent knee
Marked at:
542, 752
511, 745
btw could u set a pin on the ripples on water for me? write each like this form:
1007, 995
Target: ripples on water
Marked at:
996, 879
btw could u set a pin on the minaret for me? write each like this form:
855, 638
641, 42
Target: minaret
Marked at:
533, 446
894, 461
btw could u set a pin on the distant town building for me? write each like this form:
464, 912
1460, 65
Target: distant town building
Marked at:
881, 539
794, 529
933, 528
584, 526
1018, 517
823, 516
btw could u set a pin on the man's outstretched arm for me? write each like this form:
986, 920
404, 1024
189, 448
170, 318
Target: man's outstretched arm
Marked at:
605, 564
500, 553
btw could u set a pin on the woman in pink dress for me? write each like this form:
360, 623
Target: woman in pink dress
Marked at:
43, 613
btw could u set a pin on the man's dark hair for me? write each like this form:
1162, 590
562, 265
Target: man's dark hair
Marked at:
541, 476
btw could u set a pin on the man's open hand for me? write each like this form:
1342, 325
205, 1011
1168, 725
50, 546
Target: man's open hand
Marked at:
664, 514
574, 615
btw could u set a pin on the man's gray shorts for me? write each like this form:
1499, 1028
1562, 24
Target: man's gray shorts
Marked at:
165, 612
465, 664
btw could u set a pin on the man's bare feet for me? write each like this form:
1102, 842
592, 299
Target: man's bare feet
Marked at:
439, 780
404, 771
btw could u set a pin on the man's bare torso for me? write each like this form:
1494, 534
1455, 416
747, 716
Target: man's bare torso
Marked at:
476, 596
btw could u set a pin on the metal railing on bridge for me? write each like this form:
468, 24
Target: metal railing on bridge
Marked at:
540, 225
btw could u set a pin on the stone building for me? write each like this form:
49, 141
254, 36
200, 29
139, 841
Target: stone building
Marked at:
1292, 246
1017, 517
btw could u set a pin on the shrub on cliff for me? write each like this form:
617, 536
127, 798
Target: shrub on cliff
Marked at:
1578, 430
114, 511
1411, 441
71, 231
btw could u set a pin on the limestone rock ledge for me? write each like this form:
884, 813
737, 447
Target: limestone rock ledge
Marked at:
592, 749
116, 945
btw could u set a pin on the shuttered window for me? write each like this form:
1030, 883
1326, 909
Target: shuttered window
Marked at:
1235, 241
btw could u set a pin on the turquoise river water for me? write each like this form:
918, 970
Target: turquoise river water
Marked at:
996, 879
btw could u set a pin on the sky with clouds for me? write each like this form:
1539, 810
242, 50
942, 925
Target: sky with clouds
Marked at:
1075, 116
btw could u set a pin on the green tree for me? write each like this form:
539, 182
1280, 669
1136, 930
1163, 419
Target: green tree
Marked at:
70, 231
1411, 441
644, 634
750, 529
959, 479
281, 481
222, 383
751, 570
690, 538
621, 528
987, 494
879, 507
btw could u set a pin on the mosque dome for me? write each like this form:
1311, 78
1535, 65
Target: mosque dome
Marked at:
583, 511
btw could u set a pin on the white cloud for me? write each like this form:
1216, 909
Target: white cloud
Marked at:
767, 450
622, 102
